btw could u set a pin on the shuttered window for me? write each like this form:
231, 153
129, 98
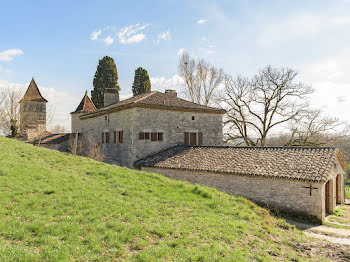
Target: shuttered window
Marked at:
200, 138
187, 138
107, 137
154, 136
121, 137
141, 136
147, 136
115, 137
160, 136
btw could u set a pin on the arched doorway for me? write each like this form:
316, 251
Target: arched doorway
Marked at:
329, 196
338, 191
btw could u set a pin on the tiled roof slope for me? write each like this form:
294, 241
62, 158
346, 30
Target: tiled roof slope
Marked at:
86, 105
33, 93
49, 138
297, 163
158, 100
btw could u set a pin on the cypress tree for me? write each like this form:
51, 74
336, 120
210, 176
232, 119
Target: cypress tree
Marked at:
141, 84
106, 76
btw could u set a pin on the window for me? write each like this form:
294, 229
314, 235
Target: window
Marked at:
121, 137
154, 136
106, 120
103, 138
141, 136
147, 136
193, 117
115, 137
193, 139
160, 136
107, 137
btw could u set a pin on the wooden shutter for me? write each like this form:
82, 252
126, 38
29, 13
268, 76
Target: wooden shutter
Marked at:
103, 138
154, 136
200, 138
160, 136
187, 138
120, 136
141, 136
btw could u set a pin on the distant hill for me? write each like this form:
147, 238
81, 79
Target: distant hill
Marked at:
59, 207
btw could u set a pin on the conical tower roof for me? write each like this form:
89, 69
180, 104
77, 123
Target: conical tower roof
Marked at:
33, 93
86, 105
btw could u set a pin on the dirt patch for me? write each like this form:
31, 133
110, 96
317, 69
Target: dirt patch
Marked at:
327, 250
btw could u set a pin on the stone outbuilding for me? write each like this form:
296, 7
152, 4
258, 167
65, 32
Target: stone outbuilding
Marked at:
302, 180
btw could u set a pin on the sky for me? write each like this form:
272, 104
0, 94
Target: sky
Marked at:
59, 43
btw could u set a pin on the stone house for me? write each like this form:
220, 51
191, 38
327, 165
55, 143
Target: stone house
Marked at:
302, 180
146, 124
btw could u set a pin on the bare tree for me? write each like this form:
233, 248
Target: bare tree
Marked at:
314, 129
58, 129
200, 77
75, 147
94, 149
10, 112
258, 105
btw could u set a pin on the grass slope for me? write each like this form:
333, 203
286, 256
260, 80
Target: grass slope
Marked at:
55, 207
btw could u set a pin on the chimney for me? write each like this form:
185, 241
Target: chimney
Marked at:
171, 92
110, 96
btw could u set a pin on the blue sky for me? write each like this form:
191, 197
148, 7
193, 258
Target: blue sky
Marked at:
60, 42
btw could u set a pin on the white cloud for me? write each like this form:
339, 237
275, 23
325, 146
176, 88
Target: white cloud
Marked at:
331, 82
162, 83
132, 34
181, 51
164, 36
8, 71
59, 105
202, 21
108, 40
8, 55
94, 35
300, 26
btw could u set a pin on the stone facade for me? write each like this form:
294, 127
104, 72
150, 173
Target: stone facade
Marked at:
288, 195
172, 124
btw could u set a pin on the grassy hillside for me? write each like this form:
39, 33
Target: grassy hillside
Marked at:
55, 206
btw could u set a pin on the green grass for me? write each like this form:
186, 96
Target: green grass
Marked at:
347, 189
59, 207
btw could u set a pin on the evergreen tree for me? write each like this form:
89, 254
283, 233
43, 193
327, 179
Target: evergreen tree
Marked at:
106, 76
141, 84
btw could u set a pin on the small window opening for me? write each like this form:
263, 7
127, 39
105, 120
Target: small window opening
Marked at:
193, 118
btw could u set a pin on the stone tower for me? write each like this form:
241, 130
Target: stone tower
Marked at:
32, 112
86, 105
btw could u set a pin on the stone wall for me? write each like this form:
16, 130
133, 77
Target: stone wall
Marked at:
131, 121
288, 195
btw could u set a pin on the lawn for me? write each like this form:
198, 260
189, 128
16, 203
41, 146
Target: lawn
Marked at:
59, 207
347, 189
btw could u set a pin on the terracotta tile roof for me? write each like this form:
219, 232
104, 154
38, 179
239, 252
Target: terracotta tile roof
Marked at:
33, 93
86, 105
49, 138
297, 163
157, 100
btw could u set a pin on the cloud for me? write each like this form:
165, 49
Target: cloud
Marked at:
94, 35
302, 25
132, 34
59, 105
108, 40
162, 83
331, 83
164, 36
202, 21
181, 51
8, 55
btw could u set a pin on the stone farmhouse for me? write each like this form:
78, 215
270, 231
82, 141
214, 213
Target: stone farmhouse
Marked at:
162, 133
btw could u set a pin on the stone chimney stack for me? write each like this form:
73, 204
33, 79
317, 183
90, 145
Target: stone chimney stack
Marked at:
171, 92
110, 96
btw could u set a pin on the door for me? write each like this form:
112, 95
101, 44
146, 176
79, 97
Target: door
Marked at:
327, 196
193, 139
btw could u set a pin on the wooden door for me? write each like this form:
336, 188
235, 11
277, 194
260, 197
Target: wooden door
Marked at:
327, 196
